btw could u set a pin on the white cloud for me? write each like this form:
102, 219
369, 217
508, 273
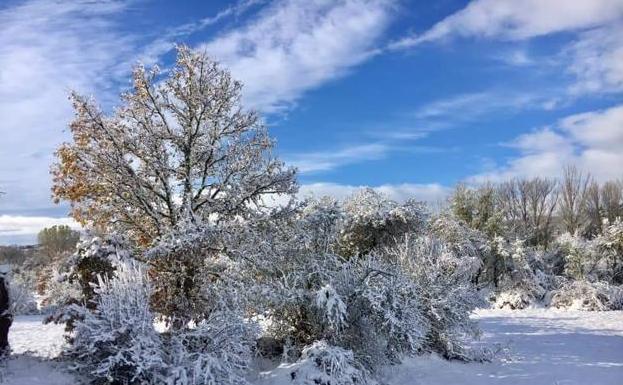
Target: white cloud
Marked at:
46, 48
17, 229
592, 141
431, 193
597, 60
327, 160
295, 45
519, 19
471, 106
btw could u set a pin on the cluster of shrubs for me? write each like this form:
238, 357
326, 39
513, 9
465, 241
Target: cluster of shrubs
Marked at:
545, 242
336, 290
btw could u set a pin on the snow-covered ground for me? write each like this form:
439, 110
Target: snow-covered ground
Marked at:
546, 347
33, 346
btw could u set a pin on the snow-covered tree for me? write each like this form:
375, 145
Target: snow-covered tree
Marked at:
178, 147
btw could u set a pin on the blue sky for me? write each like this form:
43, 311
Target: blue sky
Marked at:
409, 97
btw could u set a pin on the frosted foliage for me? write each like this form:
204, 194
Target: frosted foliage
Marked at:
372, 221
583, 295
332, 306
610, 245
118, 342
323, 364
600, 258
59, 291
216, 351
22, 299
443, 286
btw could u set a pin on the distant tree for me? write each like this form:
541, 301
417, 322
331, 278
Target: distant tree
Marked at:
612, 198
528, 206
604, 202
178, 148
594, 209
478, 208
573, 193
58, 240
13, 255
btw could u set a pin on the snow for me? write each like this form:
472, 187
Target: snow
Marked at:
545, 347
33, 346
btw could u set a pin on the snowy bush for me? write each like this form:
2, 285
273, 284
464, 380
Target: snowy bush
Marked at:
323, 364
442, 281
59, 292
77, 279
117, 342
584, 295
21, 295
524, 283
363, 305
216, 351
371, 221
513, 299
610, 245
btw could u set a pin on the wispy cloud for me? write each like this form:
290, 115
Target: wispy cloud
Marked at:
328, 160
46, 48
596, 60
518, 19
593, 59
294, 46
454, 110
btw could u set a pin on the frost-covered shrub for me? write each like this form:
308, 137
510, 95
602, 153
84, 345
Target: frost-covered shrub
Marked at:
442, 280
371, 220
513, 299
188, 267
363, 305
323, 364
525, 282
95, 259
216, 351
114, 342
597, 259
584, 295
59, 292
610, 245
21, 295
580, 258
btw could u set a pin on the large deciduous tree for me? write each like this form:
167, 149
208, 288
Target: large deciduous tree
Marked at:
178, 148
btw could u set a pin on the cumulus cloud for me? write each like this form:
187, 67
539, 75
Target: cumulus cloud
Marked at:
592, 141
295, 45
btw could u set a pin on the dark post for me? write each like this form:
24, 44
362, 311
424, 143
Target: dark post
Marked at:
6, 318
